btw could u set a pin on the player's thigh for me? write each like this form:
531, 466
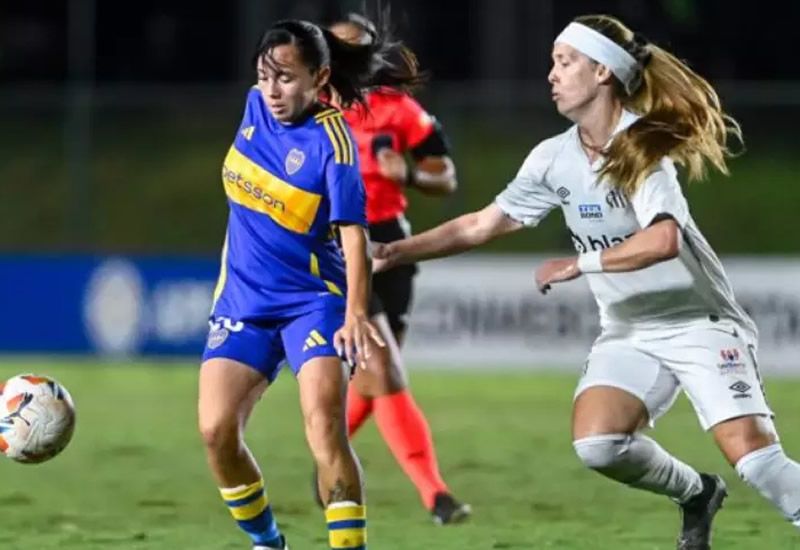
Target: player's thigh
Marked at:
228, 391
621, 390
239, 362
717, 369
385, 371
321, 375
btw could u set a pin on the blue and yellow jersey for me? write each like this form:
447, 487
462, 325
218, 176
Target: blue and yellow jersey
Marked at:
287, 187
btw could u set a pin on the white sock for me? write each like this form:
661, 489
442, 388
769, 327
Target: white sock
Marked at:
776, 477
640, 462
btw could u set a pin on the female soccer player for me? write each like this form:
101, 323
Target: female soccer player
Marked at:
390, 125
287, 292
669, 318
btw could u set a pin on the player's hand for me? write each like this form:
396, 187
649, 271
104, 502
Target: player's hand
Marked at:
556, 271
392, 165
383, 257
354, 342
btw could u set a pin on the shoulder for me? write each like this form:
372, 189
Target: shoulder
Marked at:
387, 96
335, 138
394, 103
552, 146
544, 155
253, 96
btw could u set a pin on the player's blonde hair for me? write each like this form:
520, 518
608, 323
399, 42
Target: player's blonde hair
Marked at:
681, 114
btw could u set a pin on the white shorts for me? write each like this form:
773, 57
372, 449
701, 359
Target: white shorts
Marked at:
714, 364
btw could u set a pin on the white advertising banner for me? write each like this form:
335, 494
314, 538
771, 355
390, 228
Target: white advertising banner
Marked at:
484, 311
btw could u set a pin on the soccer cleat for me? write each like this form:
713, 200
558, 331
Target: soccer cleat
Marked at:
283, 546
447, 510
698, 513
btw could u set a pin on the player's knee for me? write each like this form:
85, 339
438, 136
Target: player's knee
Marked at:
601, 452
325, 432
742, 436
219, 434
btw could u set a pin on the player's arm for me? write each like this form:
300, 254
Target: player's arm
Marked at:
423, 142
452, 237
358, 268
660, 209
353, 339
659, 242
433, 172
347, 212
432, 175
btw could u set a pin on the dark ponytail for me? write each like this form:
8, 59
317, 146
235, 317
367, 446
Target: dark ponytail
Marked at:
355, 68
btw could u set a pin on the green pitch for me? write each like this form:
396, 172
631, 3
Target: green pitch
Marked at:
134, 476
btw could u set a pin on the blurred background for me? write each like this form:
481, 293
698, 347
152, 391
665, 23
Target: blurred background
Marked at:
115, 116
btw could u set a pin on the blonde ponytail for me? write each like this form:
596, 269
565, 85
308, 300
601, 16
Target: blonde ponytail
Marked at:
681, 116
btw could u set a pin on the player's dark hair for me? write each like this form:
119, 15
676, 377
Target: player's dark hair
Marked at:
354, 67
681, 115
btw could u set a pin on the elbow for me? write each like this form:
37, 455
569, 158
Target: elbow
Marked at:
671, 252
669, 243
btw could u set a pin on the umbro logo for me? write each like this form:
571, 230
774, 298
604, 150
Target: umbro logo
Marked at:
563, 193
741, 389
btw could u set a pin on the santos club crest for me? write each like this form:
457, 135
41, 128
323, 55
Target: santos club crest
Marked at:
294, 161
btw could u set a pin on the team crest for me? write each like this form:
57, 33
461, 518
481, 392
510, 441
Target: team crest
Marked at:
294, 161
217, 337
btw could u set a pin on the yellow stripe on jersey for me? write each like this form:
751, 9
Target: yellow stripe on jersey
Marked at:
318, 337
348, 152
337, 146
249, 185
340, 138
325, 114
223, 273
314, 269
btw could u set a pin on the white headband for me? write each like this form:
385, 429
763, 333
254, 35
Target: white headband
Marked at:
603, 50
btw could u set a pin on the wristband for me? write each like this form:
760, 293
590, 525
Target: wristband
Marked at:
591, 262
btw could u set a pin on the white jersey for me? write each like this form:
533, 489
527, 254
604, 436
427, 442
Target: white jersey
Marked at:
689, 288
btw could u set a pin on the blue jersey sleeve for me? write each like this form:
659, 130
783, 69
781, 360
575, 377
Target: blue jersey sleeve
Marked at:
346, 193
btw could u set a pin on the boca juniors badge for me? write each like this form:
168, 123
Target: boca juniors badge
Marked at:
217, 337
294, 161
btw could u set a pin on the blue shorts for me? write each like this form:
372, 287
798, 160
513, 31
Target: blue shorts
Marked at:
266, 346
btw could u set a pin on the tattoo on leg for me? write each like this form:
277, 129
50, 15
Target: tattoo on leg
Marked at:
342, 491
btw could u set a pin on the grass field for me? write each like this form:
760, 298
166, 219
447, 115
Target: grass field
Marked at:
134, 477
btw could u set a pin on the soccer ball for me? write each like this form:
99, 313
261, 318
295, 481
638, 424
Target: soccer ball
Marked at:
37, 418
